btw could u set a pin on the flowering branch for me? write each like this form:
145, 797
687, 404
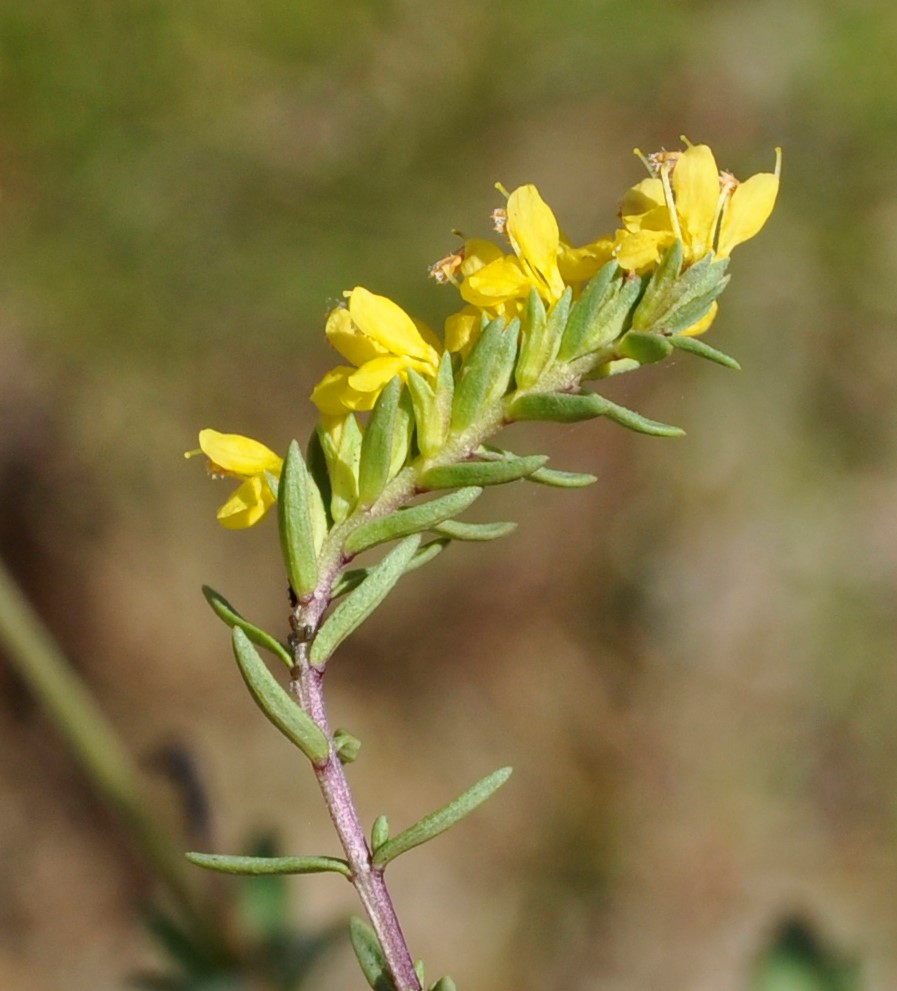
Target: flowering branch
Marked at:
537, 324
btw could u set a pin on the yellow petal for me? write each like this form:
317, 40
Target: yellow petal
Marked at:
478, 254
533, 231
703, 323
238, 455
247, 505
374, 375
348, 339
580, 264
696, 185
332, 395
641, 199
747, 210
388, 324
462, 329
641, 250
503, 279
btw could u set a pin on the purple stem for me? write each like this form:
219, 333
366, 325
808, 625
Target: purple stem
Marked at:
307, 687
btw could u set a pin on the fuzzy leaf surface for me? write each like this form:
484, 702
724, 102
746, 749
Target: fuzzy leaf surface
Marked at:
294, 517
225, 611
227, 864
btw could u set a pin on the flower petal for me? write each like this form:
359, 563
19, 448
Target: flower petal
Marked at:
237, 454
696, 185
533, 231
247, 505
389, 325
502, 279
747, 211
348, 339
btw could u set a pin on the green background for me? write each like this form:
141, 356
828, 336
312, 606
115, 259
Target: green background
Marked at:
691, 664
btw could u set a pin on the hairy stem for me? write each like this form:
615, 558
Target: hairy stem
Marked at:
307, 686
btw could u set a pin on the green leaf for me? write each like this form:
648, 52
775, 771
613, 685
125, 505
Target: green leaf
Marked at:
661, 289
443, 984
294, 516
689, 311
694, 345
403, 522
277, 704
456, 530
360, 603
442, 819
557, 407
644, 348
342, 450
539, 347
228, 864
379, 832
224, 610
430, 436
370, 956
352, 579
601, 313
316, 462
562, 479
346, 745
376, 447
481, 472
485, 373
674, 305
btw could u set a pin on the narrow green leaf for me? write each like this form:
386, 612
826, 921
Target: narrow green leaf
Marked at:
557, 407
532, 329
676, 305
644, 348
370, 956
224, 610
641, 424
443, 984
407, 521
341, 444
379, 832
227, 864
456, 530
562, 479
688, 311
277, 704
352, 579
294, 516
694, 345
442, 819
316, 462
361, 602
481, 472
376, 447
485, 373
430, 436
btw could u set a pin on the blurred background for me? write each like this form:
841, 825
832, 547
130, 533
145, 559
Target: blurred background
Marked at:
690, 664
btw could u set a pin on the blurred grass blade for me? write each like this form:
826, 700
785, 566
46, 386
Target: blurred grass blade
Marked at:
407, 521
442, 819
227, 864
370, 956
224, 610
360, 603
277, 704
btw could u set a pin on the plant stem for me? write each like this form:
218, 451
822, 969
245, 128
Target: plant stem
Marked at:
307, 686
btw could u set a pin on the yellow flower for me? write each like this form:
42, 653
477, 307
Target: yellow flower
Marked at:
247, 459
381, 341
689, 199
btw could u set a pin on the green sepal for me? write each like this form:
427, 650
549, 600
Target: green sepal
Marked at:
225, 611
445, 394
420, 972
541, 337
227, 864
370, 956
403, 522
377, 444
352, 579
362, 601
481, 472
442, 819
443, 984
601, 313
296, 504
277, 704
658, 293
430, 436
644, 348
456, 530
342, 464
316, 462
694, 345
562, 479
346, 745
486, 372
379, 832
674, 305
